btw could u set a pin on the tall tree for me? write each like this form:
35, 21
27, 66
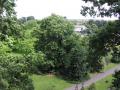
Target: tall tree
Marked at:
109, 37
8, 20
6, 9
52, 36
102, 8
65, 52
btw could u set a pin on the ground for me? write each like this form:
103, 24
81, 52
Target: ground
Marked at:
52, 82
49, 82
104, 84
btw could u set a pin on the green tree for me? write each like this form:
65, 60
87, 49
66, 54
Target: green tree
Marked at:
8, 21
30, 18
76, 64
6, 9
98, 8
14, 73
116, 80
64, 50
108, 38
92, 87
53, 32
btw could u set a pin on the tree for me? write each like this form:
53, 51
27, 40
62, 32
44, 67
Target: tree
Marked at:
78, 64
23, 19
14, 73
30, 18
92, 87
6, 9
8, 21
92, 27
102, 8
64, 50
109, 36
53, 32
116, 81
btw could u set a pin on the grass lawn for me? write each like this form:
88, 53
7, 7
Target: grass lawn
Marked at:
109, 66
49, 82
104, 84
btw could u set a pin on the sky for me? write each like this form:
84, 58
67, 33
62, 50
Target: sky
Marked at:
43, 8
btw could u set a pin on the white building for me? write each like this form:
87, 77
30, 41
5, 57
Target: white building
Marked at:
81, 29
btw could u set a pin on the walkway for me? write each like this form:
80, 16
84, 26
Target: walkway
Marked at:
96, 78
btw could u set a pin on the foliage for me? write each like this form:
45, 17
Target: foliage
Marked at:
76, 67
52, 37
25, 19
103, 42
30, 18
92, 87
98, 8
103, 84
109, 38
94, 26
4, 48
116, 54
116, 80
9, 26
7, 7
31, 24
14, 73
64, 51
36, 62
22, 46
49, 82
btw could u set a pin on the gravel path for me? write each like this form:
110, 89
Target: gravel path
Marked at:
95, 78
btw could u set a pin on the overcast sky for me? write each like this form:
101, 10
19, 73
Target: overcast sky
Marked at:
43, 8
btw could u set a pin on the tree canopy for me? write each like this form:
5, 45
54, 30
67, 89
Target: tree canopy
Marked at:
108, 38
104, 8
65, 53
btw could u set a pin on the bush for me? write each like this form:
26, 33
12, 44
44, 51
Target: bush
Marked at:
64, 52
4, 48
3, 84
14, 73
22, 46
92, 87
116, 81
38, 63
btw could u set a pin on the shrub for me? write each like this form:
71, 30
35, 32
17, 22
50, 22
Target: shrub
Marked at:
14, 73
22, 46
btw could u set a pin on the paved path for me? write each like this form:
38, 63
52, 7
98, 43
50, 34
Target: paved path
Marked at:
95, 78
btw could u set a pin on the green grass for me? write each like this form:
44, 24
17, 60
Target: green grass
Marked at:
109, 66
104, 84
49, 82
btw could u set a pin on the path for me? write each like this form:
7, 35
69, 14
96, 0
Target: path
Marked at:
95, 78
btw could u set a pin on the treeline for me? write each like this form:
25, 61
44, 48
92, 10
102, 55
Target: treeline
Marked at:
29, 46
38, 46
46, 46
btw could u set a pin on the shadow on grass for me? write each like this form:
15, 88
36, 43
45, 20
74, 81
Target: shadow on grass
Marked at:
59, 76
